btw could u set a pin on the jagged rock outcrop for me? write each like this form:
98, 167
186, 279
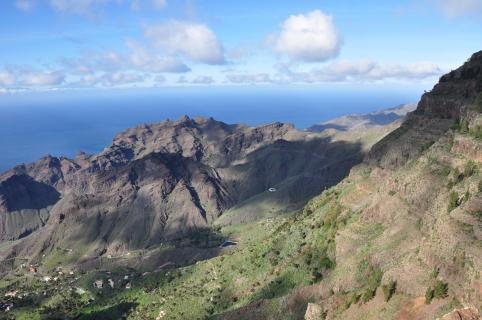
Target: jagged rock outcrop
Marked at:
163, 182
467, 313
437, 111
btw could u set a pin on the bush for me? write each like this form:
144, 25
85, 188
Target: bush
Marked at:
368, 294
476, 132
470, 168
464, 126
457, 175
429, 295
441, 289
453, 201
480, 186
389, 289
373, 281
477, 106
445, 171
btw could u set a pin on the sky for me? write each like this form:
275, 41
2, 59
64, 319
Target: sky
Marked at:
49, 45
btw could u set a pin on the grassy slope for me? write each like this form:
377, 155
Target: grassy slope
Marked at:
374, 227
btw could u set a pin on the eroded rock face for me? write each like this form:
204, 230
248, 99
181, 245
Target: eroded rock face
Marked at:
163, 181
437, 111
313, 312
468, 313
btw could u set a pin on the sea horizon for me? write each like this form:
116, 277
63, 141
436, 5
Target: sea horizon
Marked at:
65, 123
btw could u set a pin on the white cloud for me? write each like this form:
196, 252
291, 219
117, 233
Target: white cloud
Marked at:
459, 8
160, 79
43, 78
312, 37
109, 79
196, 80
75, 6
24, 76
7, 78
363, 71
196, 41
203, 80
136, 5
25, 5
142, 59
120, 78
249, 78
138, 59
159, 4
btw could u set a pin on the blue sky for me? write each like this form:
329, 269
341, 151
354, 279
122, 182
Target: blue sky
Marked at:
85, 44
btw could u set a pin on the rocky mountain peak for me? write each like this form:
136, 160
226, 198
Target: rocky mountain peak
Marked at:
437, 111
454, 90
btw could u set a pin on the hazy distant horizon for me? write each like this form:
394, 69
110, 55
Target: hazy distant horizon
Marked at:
61, 124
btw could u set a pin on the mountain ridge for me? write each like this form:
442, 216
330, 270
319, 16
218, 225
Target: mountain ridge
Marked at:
398, 238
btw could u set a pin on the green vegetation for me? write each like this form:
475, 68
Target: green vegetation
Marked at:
453, 201
274, 258
370, 277
438, 291
441, 289
429, 294
445, 171
389, 289
464, 126
476, 132
470, 168
477, 105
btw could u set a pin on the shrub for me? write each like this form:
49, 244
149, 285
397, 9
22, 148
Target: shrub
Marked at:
480, 186
464, 126
392, 193
470, 168
441, 289
476, 132
457, 176
429, 295
316, 276
326, 263
389, 289
373, 281
368, 294
445, 171
453, 201
477, 106
355, 298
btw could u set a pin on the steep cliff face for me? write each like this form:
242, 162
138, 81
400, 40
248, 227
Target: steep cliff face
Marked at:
400, 237
437, 111
24, 205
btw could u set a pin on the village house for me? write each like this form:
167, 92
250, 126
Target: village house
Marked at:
98, 284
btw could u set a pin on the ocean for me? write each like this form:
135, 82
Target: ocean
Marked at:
63, 123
